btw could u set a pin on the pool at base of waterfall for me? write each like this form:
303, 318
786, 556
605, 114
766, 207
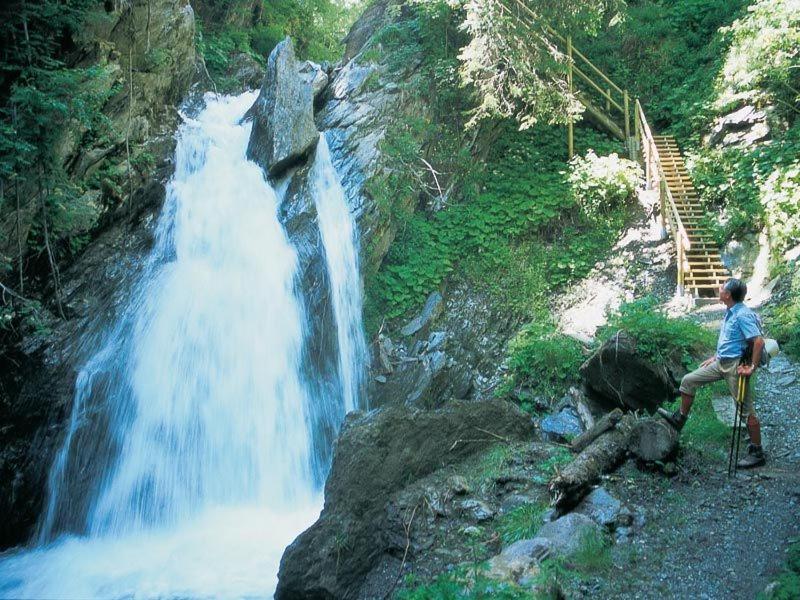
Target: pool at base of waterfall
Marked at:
224, 553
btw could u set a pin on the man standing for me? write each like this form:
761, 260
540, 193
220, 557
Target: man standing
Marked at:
740, 330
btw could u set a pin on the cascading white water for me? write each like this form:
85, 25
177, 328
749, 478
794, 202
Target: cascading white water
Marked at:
339, 240
204, 436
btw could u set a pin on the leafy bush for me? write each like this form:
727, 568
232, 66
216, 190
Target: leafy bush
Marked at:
600, 183
783, 320
659, 337
544, 360
764, 61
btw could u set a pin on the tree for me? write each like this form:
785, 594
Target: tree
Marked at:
513, 63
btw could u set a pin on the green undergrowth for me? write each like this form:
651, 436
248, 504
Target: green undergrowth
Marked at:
517, 237
522, 523
658, 336
788, 582
783, 320
703, 431
593, 555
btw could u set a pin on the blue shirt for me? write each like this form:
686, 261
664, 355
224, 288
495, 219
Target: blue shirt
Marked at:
739, 325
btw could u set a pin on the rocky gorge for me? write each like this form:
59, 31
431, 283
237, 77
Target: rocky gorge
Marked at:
442, 469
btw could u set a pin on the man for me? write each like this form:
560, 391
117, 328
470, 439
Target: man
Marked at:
740, 329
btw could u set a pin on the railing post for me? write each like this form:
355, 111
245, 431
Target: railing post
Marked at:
637, 129
627, 122
679, 243
570, 126
662, 203
608, 101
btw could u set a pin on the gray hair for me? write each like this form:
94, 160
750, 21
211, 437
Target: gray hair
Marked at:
737, 288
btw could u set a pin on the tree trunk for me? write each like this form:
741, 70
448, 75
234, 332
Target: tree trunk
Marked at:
607, 422
653, 439
602, 455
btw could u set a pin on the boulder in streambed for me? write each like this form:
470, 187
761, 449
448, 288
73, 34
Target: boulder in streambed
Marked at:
621, 374
378, 455
283, 132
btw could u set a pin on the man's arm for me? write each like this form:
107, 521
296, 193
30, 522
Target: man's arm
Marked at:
758, 348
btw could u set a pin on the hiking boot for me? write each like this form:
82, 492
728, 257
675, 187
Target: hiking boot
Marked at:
676, 419
755, 458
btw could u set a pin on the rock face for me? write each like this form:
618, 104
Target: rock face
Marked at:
616, 371
377, 455
748, 125
283, 116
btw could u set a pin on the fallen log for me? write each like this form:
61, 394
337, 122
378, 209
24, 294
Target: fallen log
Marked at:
652, 439
602, 455
607, 422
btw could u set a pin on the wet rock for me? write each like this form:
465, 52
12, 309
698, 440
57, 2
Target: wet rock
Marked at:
617, 372
376, 456
384, 348
747, 125
314, 76
566, 533
245, 70
435, 340
283, 132
561, 426
601, 507
431, 310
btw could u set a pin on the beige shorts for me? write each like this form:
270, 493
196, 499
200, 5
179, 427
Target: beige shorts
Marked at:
720, 369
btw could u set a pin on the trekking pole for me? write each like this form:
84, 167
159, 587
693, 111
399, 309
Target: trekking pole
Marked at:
736, 437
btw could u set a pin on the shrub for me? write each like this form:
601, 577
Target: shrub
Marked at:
544, 360
594, 552
659, 337
600, 183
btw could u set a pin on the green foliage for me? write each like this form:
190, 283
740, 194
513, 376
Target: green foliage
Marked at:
509, 60
594, 553
668, 53
746, 188
463, 585
703, 430
788, 587
783, 320
763, 62
547, 468
544, 360
601, 183
657, 336
521, 523
500, 231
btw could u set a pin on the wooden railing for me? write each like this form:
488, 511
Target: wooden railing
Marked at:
656, 179
614, 103
613, 99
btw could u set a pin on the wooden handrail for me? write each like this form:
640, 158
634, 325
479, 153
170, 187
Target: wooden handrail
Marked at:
667, 201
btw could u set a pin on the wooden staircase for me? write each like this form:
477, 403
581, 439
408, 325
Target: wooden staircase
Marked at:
702, 268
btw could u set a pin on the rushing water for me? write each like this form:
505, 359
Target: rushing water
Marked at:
186, 468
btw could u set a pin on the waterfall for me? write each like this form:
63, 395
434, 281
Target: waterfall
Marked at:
186, 467
339, 240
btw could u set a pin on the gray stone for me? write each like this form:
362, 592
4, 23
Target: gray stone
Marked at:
746, 125
431, 310
385, 348
787, 380
378, 454
566, 533
601, 507
476, 510
519, 561
283, 132
561, 426
245, 70
436, 339
779, 364
380, 378
314, 76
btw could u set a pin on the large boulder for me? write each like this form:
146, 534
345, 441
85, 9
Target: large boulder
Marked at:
377, 455
619, 373
283, 132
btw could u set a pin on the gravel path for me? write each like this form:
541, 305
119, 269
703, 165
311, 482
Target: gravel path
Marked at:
709, 536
